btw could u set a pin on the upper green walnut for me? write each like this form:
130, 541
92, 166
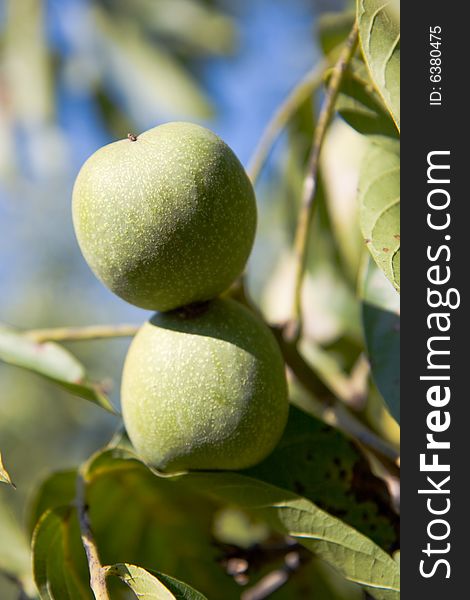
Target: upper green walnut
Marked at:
205, 391
167, 218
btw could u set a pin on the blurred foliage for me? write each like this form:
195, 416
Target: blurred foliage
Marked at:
132, 64
132, 60
137, 516
74, 74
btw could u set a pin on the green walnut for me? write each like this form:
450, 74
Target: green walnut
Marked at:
166, 218
204, 391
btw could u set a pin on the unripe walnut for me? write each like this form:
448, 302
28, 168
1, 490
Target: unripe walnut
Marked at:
204, 391
166, 218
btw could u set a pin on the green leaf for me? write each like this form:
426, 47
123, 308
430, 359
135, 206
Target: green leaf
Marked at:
381, 321
134, 516
59, 564
348, 551
165, 526
155, 511
379, 34
145, 520
4, 475
153, 585
52, 362
58, 489
344, 548
361, 106
161, 525
379, 200
321, 464
315, 461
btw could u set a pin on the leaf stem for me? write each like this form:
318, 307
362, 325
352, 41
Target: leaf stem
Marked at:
306, 86
74, 334
97, 572
310, 182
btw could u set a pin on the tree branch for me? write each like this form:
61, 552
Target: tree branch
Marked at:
89, 332
97, 573
310, 182
333, 411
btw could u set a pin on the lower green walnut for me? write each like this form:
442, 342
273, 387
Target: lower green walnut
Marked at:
205, 390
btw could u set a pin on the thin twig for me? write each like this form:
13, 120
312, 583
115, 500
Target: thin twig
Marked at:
90, 332
312, 80
97, 573
310, 182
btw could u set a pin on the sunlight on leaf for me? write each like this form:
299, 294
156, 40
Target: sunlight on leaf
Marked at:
152, 585
379, 33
